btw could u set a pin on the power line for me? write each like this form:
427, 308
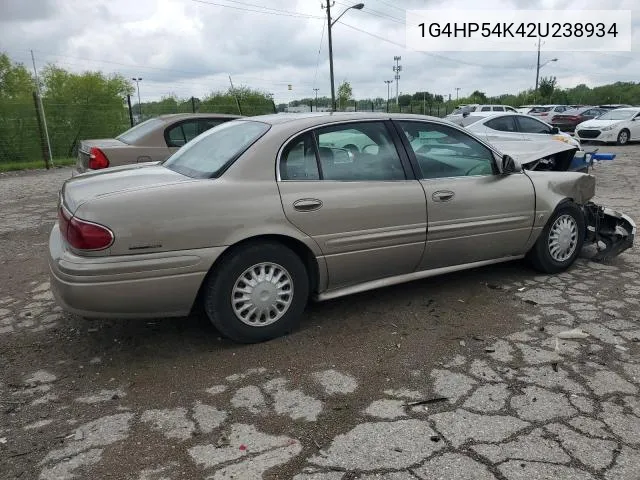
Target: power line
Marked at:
391, 5
378, 14
266, 10
315, 77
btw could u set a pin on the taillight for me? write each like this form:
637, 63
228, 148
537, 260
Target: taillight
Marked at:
83, 235
97, 159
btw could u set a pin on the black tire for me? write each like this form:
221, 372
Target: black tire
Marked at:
540, 255
218, 292
623, 137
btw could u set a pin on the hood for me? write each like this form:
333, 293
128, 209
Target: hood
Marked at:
81, 188
541, 155
526, 152
595, 123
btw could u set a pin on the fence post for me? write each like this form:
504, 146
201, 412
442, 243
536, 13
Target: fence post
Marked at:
130, 112
193, 105
43, 141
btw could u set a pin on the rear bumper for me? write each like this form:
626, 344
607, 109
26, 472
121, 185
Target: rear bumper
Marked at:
127, 286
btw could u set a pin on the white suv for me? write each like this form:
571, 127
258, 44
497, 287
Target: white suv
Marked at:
465, 110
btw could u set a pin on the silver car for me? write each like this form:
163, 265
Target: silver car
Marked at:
257, 216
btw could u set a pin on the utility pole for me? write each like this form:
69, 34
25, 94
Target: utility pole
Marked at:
316, 90
424, 103
397, 68
233, 91
388, 82
457, 90
48, 164
535, 92
333, 88
138, 80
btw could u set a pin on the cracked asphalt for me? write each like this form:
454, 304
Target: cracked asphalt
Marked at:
495, 373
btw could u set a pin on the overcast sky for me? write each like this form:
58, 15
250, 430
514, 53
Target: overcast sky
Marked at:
190, 47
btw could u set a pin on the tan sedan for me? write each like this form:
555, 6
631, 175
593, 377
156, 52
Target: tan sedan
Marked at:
256, 216
152, 140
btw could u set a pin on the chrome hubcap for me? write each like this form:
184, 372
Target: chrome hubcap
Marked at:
623, 137
563, 238
262, 294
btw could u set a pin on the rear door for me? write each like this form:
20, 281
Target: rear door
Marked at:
474, 213
350, 188
503, 127
532, 129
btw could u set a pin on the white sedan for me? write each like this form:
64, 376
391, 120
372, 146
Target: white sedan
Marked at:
620, 125
515, 126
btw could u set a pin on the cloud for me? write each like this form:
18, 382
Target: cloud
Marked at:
190, 47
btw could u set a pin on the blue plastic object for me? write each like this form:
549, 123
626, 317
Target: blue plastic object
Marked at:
603, 156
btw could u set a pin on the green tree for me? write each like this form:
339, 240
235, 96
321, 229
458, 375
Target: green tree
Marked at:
344, 94
85, 105
547, 87
19, 136
478, 97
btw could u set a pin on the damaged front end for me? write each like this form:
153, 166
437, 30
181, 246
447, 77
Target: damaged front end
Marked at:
612, 232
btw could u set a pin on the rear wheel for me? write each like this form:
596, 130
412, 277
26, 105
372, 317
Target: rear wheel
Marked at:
623, 137
561, 239
257, 293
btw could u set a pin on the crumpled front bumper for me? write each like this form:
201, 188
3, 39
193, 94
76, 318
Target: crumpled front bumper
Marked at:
615, 230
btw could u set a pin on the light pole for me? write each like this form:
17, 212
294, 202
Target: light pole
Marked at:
388, 82
538, 67
138, 80
397, 68
316, 90
357, 6
457, 90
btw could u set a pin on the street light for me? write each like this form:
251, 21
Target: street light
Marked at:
357, 6
388, 82
138, 80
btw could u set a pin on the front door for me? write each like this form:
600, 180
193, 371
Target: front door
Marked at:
474, 213
350, 188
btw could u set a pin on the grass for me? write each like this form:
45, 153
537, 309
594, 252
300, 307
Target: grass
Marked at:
34, 164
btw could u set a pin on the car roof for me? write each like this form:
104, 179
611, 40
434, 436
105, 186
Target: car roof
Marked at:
319, 118
170, 117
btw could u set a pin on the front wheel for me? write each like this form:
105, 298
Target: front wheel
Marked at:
560, 241
257, 293
623, 137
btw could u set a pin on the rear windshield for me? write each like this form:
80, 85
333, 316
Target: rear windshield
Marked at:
134, 134
540, 109
209, 154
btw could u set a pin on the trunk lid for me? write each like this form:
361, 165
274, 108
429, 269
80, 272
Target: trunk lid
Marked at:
84, 149
80, 189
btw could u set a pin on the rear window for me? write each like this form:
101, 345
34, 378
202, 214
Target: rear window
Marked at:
134, 134
209, 154
539, 109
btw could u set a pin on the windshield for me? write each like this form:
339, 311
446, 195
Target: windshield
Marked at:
618, 115
209, 154
134, 134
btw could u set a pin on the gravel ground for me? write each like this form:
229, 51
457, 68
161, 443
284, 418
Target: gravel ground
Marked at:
457, 377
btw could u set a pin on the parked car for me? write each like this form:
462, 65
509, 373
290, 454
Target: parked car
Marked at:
568, 120
621, 125
152, 140
546, 112
515, 126
255, 217
613, 106
466, 110
525, 108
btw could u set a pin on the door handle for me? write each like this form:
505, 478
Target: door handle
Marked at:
307, 204
442, 196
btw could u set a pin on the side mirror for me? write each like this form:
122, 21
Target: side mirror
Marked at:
555, 130
509, 165
465, 114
